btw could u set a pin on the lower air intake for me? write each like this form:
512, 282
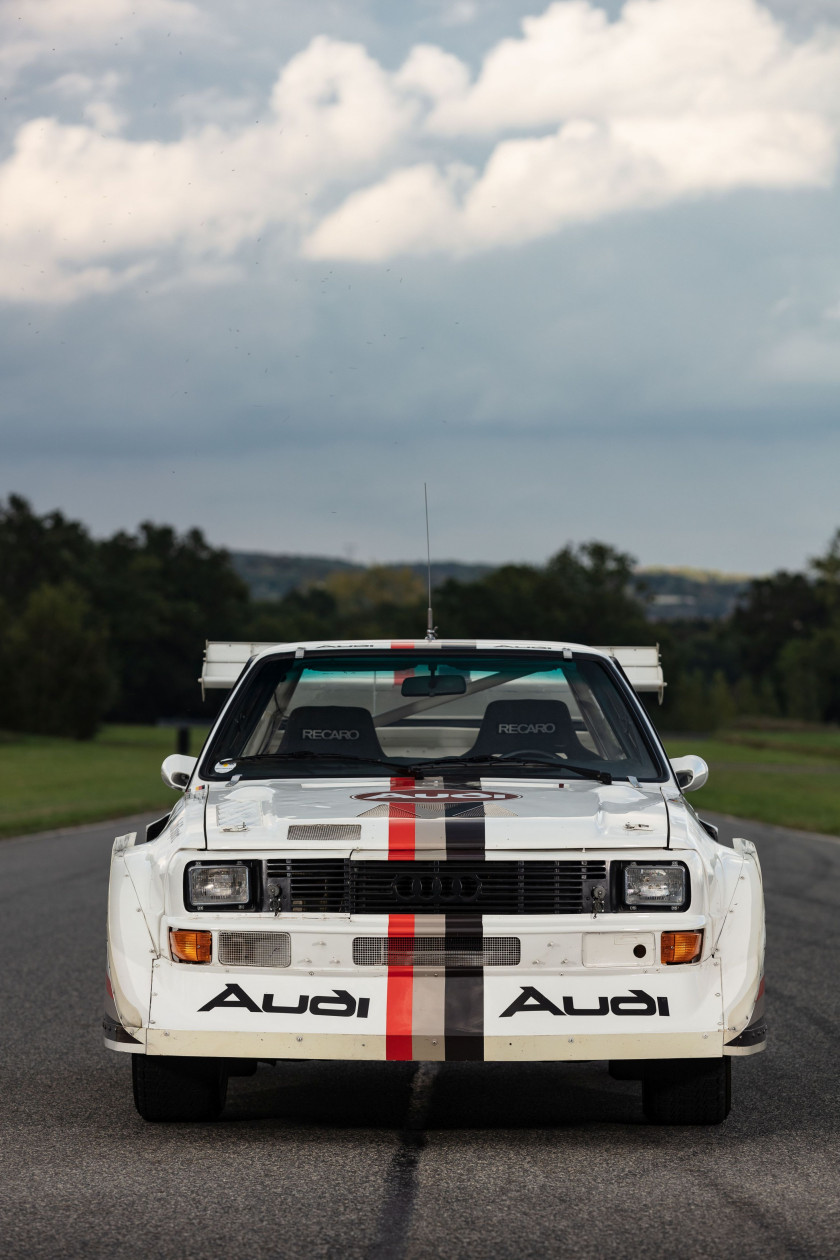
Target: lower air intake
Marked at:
436, 951
255, 949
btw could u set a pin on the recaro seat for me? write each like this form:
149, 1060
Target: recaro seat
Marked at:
331, 728
545, 725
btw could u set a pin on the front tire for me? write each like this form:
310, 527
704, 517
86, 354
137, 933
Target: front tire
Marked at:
178, 1088
687, 1091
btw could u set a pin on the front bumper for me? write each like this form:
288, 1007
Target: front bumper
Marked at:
577, 993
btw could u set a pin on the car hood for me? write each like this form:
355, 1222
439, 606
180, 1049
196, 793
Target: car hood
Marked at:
352, 814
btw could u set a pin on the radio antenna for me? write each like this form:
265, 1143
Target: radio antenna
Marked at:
431, 628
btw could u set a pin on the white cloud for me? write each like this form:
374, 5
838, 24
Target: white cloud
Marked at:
806, 357
413, 211
585, 171
675, 99
85, 85
433, 72
92, 23
579, 118
660, 57
31, 30
460, 13
101, 18
104, 117
79, 206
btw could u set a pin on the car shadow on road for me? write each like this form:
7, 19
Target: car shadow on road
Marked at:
462, 1096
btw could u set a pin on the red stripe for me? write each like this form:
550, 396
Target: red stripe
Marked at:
400, 979
400, 994
401, 826
398, 643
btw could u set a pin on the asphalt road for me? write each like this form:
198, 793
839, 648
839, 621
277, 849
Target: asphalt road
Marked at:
392, 1160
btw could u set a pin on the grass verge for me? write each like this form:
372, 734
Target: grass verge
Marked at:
49, 783
788, 778
784, 778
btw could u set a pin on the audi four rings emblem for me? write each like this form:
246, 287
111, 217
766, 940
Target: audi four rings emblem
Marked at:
460, 889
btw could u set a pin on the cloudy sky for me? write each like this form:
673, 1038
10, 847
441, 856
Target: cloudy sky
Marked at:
267, 266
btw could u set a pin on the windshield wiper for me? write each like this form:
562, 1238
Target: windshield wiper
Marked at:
305, 755
420, 769
524, 758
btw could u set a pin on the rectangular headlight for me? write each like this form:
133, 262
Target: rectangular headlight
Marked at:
219, 885
652, 885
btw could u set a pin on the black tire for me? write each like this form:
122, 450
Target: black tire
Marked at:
242, 1067
687, 1091
627, 1069
178, 1088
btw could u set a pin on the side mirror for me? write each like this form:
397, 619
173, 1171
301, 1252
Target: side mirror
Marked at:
691, 772
177, 769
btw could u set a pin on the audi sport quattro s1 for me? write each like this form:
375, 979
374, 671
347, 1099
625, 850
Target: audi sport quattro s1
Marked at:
434, 850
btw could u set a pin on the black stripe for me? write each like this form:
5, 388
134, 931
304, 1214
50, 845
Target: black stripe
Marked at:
463, 1018
463, 1021
464, 835
464, 1015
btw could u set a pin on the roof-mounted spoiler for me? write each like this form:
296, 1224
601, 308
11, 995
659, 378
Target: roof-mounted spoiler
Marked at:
642, 665
224, 662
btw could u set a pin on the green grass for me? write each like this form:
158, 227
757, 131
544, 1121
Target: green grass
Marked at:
49, 783
790, 778
810, 743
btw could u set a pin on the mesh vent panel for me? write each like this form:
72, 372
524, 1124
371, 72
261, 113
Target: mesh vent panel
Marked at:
326, 833
436, 951
255, 949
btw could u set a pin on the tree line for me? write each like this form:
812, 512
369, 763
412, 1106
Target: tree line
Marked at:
113, 629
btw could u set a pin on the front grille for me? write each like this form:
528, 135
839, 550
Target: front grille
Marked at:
436, 951
255, 949
342, 886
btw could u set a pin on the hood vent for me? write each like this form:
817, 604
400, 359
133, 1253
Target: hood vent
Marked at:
233, 815
325, 833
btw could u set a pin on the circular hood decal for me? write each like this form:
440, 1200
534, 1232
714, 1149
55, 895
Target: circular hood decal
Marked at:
437, 796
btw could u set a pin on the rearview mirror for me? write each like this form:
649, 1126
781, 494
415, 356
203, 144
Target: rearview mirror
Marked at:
177, 769
690, 772
434, 685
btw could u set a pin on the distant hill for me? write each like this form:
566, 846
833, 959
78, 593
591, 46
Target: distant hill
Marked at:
272, 577
674, 594
689, 594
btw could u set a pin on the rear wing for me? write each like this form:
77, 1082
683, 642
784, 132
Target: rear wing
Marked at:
642, 666
224, 662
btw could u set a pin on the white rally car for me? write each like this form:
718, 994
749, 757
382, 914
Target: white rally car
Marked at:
434, 850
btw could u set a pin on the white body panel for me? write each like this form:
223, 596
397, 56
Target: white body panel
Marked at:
533, 815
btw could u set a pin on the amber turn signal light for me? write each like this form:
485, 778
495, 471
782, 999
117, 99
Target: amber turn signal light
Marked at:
195, 947
681, 947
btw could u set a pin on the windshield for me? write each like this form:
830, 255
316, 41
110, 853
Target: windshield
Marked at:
424, 712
